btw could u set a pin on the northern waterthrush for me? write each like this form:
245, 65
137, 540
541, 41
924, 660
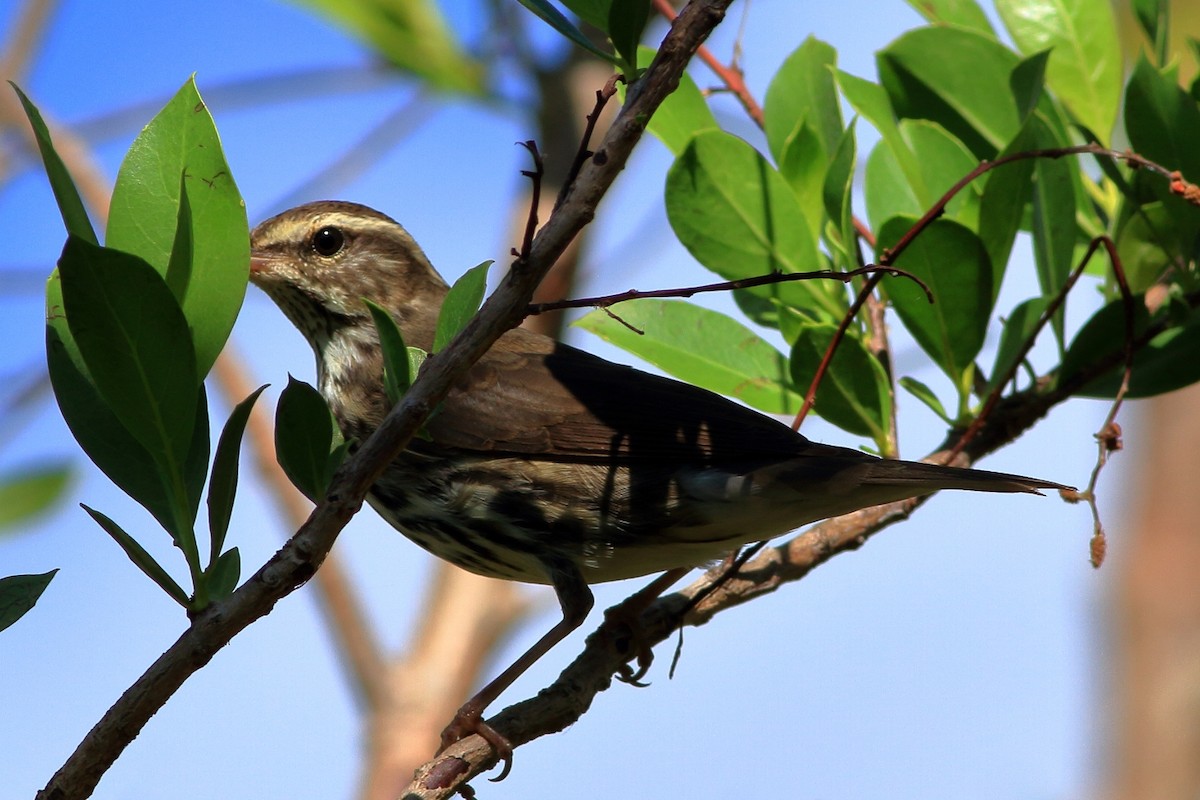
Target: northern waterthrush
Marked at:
547, 464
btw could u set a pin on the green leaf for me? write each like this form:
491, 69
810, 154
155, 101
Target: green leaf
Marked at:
396, 374
593, 12
1143, 251
461, 303
682, 115
70, 204
943, 160
803, 92
1168, 362
872, 103
547, 13
412, 35
93, 424
1085, 66
626, 22
19, 594
304, 433
222, 488
837, 195
703, 347
803, 165
1150, 16
141, 559
1054, 227
180, 148
955, 78
136, 345
926, 396
854, 393
738, 217
1162, 120
1019, 326
223, 575
195, 466
31, 492
1028, 82
952, 261
963, 13
1005, 194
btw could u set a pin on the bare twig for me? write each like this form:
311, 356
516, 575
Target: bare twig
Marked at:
604, 301
731, 76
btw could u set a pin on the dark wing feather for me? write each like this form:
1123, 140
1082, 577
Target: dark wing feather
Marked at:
530, 394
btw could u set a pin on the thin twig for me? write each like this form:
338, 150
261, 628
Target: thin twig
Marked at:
583, 154
604, 301
731, 76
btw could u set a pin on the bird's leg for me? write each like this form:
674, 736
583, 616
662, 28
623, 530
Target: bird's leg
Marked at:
576, 601
628, 613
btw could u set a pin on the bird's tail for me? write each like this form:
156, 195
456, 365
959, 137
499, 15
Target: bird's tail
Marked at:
891, 472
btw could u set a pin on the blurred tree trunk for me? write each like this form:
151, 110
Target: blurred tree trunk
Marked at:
1156, 614
1152, 703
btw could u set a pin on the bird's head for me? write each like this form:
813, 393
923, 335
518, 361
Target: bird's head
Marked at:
320, 261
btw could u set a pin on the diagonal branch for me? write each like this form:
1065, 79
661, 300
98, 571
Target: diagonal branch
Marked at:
299, 558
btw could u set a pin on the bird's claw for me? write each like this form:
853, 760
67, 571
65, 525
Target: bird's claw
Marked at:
467, 722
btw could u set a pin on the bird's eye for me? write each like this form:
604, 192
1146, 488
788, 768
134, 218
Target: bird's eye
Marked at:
328, 241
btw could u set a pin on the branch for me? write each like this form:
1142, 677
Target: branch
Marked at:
299, 558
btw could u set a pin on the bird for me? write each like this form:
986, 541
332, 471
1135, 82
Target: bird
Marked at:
547, 464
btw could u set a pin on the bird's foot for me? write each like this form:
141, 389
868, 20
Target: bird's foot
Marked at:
470, 721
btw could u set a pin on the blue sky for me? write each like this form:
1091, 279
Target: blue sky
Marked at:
959, 654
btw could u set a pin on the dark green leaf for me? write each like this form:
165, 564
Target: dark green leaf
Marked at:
703, 347
1054, 228
31, 492
396, 375
854, 392
1028, 81
1002, 206
146, 211
1167, 363
963, 13
461, 303
1018, 328
141, 559
222, 488
19, 594
1085, 65
224, 573
1150, 15
136, 345
304, 433
626, 22
954, 77
555, 19
739, 218
70, 204
179, 265
837, 195
195, 467
1162, 121
93, 424
952, 261
926, 396
803, 93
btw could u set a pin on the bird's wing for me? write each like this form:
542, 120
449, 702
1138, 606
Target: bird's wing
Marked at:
532, 395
